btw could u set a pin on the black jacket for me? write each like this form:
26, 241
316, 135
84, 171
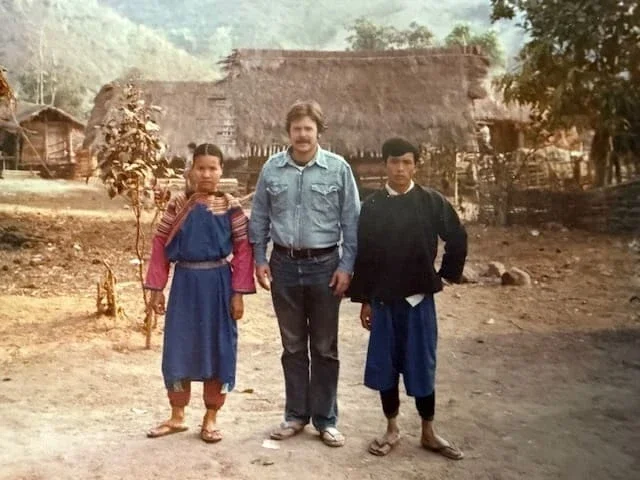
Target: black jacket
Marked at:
398, 245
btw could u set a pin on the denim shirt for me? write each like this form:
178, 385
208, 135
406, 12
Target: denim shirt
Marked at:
306, 207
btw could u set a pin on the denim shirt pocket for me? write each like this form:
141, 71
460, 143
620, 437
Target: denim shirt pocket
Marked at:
325, 198
278, 197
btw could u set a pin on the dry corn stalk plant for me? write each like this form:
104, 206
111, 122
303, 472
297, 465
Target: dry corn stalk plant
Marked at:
107, 295
131, 158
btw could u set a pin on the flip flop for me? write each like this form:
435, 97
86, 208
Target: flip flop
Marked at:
286, 430
210, 436
381, 446
450, 451
165, 429
332, 437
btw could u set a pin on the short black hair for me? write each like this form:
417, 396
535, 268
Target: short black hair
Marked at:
191, 146
397, 146
208, 149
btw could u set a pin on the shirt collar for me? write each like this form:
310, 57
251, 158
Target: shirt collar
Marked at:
393, 193
318, 159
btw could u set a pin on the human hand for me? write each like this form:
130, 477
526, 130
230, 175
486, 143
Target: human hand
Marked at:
157, 302
237, 306
366, 316
263, 274
340, 282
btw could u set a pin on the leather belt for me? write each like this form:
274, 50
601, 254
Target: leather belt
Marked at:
303, 252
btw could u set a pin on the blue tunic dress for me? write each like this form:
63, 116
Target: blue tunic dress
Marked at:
200, 336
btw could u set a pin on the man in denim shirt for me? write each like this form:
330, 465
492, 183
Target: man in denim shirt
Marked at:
306, 201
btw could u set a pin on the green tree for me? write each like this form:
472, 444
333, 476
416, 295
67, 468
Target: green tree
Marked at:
131, 160
370, 36
59, 87
367, 35
580, 66
416, 36
488, 41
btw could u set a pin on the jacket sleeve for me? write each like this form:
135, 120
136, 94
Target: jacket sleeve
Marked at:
454, 235
360, 287
350, 211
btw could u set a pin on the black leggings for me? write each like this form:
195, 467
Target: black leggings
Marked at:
391, 404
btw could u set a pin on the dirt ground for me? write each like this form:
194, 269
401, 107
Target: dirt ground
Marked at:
537, 383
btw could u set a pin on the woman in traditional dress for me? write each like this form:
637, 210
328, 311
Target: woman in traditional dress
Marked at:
204, 233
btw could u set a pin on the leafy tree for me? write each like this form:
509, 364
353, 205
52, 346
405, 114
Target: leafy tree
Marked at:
580, 66
59, 87
488, 41
370, 36
416, 36
367, 35
131, 160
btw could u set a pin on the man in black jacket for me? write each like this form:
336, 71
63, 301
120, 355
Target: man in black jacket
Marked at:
395, 280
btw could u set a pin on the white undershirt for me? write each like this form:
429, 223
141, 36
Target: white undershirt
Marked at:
413, 300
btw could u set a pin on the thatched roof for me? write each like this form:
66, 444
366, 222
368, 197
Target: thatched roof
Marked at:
424, 95
27, 111
191, 112
493, 108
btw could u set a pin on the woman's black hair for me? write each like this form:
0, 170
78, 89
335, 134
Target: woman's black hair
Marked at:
208, 149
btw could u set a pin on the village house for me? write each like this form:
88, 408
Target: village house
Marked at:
188, 112
41, 138
426, 95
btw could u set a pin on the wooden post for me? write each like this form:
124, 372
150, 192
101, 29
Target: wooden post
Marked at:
70, 143
46, 140
455, 178
18, 151
520, 138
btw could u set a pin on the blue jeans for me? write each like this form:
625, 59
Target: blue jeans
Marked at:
307, 312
